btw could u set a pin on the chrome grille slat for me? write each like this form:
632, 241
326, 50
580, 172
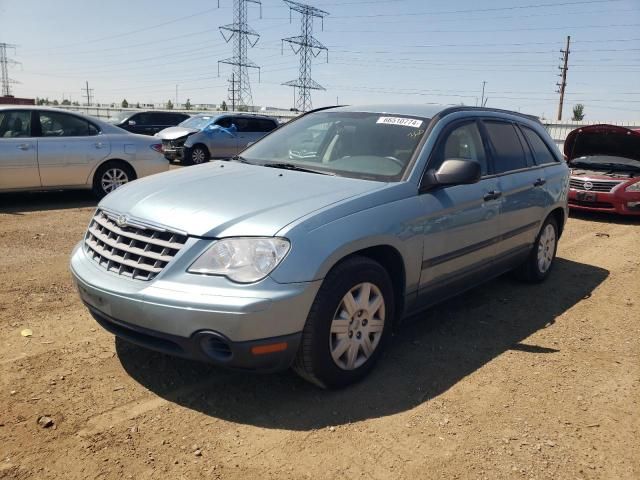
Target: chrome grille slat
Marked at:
136, 251
112, 227
597, 185
128, 248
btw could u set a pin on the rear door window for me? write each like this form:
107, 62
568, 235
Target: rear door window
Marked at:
15, 123
242, 124
508, 153
540, 149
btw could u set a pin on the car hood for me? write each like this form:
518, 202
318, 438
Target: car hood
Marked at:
603, 139
223, 199
172, 133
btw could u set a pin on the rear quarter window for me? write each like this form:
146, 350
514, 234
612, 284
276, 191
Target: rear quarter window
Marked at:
540, 149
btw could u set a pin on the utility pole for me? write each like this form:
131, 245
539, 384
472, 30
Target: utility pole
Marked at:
307, 47
243, 37
483, 102
563, 84
176, 96
4, 70
87, 93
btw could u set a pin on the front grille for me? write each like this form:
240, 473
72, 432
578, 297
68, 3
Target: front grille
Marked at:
596, 185
136, 251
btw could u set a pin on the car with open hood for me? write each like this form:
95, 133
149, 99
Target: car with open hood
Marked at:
605, 169
310, 247
205, 136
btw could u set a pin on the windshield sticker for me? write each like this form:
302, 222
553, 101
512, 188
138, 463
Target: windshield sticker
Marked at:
403, 122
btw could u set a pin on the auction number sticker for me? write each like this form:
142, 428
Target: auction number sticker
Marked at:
404, 122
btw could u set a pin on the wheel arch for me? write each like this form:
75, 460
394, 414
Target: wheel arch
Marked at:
393, 262
560, 217
92, 175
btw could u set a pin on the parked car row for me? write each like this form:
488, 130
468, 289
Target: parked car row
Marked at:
45, 148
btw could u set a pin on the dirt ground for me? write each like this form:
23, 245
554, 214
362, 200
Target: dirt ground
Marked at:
507, 381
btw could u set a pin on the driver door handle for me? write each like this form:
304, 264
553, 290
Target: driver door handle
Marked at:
492, 195
539, 182
24, 146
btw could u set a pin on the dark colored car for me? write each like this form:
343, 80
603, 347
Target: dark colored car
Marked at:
147, 123
605, 169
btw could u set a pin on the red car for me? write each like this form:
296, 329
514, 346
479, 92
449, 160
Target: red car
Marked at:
605, 169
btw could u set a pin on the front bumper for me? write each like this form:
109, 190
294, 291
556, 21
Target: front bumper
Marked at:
258, 326
616, 201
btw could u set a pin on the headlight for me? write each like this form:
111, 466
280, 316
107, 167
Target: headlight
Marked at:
243, 260
634, 187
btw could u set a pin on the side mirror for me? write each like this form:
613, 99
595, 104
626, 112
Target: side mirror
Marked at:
453, 171
131, 122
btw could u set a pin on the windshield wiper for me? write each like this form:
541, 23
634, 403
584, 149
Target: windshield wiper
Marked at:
241, 159
291, 166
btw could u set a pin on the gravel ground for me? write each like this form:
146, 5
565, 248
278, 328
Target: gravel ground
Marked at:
506, 381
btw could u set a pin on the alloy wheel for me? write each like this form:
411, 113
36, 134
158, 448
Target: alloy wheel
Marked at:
198, 156
113, 178
546, 248
357, 326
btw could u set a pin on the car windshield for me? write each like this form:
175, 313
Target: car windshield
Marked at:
118, 117
198, 122
606, 162
355, 144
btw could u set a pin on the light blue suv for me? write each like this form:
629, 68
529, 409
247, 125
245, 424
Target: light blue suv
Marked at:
308, 249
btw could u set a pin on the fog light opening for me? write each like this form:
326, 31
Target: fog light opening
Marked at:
215, 347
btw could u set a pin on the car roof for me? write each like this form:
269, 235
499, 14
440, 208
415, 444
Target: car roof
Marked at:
423, 110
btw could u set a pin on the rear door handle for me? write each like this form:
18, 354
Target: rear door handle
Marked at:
99, 144
492, 195
539, 182
24, 146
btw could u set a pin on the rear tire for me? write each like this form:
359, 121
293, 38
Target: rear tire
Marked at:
348, 325
111, 175
196, 155
541, 258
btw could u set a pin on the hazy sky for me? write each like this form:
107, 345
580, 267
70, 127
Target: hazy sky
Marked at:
403, 51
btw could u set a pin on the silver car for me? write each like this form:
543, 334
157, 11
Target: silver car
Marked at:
313, 245
48, 149
203, 137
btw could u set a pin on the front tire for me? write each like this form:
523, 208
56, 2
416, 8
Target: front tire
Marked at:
110, 176
196, 155
348, 325
540, 261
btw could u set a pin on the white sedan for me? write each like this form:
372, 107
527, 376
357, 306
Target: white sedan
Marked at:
50, 149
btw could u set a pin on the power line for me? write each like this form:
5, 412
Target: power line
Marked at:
243, 37
473, 10
308, 47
